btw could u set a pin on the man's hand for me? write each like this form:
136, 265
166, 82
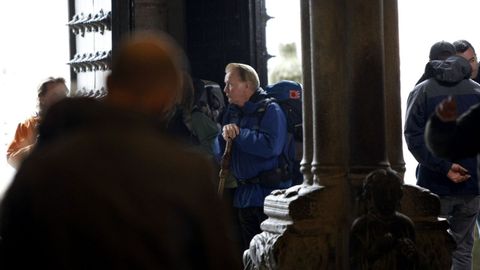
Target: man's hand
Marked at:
458, 174
447, 110
230, 131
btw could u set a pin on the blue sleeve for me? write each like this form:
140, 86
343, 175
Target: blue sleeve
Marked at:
415, 122
269, 139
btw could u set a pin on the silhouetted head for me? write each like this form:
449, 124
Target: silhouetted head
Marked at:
383, 190
146, 74
441, 50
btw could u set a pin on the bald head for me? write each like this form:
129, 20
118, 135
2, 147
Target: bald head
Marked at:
146, 73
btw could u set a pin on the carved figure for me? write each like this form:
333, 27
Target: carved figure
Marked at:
383, 238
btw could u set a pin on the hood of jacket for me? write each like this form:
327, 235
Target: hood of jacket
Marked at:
252, 104
452, 70
259, 95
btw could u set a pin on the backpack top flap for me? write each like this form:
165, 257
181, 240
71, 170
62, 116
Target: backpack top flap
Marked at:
288, 95
285, 90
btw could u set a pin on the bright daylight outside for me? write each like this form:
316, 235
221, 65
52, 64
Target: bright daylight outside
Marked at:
34, 46
37, 47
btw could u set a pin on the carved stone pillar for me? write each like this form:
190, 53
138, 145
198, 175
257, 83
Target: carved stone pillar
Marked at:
307, 100
330, 91
366, 88
393, 112
330, 80
365, 76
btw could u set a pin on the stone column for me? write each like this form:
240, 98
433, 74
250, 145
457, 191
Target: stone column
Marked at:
307, 101
366, 72
330, 93
330, 80
392, 87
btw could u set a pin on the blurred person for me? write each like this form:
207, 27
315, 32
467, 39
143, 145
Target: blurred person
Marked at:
188, 123
50, 92
455, 182
453, 136
106, 189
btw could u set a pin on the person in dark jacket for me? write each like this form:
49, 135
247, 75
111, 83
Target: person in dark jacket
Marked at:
105, 189
456, 182
258, 131
188, 123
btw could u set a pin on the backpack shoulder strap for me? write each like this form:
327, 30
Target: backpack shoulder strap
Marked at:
261, 109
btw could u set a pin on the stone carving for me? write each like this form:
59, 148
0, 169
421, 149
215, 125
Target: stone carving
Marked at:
383, 238
294, 235
304, 228
433, 241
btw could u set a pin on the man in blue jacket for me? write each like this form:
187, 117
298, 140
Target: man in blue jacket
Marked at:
454, 182
258, 130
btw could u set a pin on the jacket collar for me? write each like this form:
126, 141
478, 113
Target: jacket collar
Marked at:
252, 104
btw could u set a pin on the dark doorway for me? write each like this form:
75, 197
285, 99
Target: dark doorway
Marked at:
219, 32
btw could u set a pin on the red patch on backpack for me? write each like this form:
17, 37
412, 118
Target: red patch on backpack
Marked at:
294, 94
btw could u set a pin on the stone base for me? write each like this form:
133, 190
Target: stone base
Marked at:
294, 235
303, 230
433, 241
287, 251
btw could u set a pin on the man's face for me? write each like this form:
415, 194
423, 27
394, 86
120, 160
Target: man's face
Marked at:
472, 59
55, 92
238, 92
